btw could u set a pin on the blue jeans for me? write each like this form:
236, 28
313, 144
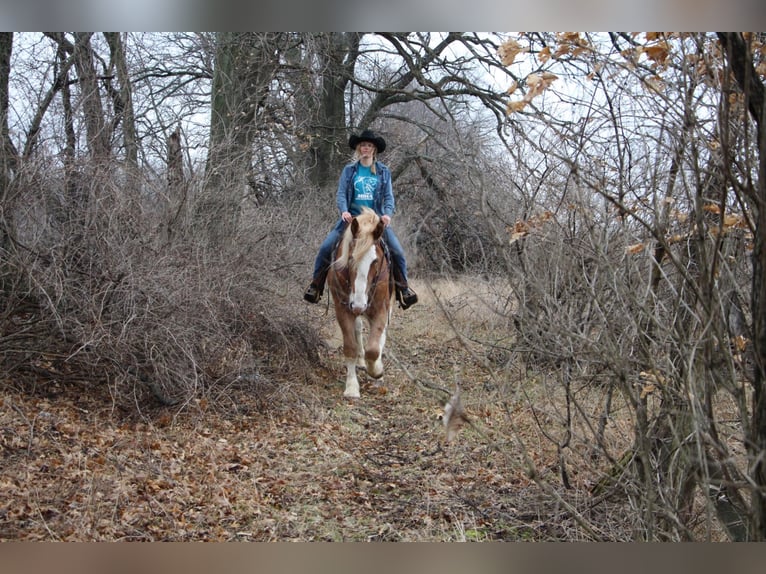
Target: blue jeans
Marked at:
324, 257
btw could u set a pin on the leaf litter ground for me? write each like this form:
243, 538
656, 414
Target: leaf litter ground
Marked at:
302, 465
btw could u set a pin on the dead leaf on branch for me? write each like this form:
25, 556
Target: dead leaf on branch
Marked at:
562, 50
652, 382
712, 208
522, 228
572, 38
655, 84
515, 236
454, 415
735, 220
537, 84
516, 106
658, 52
740, 343
648, 390
509, 50
677, 238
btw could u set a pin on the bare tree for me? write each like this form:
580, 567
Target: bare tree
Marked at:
8, 153
329, 60
122, 98
740, 57
643, 285
95, 123
245, 65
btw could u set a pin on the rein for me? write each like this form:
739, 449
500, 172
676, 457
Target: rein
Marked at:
376, 279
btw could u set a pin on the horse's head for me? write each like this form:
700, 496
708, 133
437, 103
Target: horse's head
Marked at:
363, 258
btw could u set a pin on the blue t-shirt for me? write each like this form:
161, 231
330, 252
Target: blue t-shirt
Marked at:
364, 190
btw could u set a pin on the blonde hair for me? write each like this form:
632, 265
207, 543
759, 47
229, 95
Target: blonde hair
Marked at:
357, 157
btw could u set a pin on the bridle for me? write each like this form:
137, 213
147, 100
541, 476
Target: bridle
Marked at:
380, 260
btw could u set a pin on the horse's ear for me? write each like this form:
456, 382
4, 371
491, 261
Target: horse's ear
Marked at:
354, 227
378, 230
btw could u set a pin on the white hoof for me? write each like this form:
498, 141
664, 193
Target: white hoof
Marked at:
375, 369
352, 389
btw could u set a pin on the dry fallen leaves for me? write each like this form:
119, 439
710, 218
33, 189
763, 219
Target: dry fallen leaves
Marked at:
652, 382
307, 467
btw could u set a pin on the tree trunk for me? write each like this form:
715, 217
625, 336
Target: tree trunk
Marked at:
757, 441
176, 186
245, 64
7, 150
95, 125
71, 185
338, 52
123, 100
741, 61
64, 61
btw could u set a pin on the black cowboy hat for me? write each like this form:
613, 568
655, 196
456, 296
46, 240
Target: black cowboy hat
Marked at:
367, 136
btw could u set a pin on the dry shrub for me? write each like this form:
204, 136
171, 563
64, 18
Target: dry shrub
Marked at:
119, 302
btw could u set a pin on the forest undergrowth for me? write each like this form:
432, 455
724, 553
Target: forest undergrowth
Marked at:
287, 458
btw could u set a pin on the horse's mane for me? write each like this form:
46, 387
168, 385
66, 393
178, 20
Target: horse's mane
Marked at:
368, 221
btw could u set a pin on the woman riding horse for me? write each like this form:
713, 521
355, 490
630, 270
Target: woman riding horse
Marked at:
365, 182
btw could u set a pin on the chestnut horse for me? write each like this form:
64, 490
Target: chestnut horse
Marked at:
362, 285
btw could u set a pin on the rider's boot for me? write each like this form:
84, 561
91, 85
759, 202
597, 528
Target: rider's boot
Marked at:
314, 291
404, 294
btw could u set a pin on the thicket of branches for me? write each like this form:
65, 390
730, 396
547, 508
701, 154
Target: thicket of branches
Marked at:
163, 195
638, 266
103, 295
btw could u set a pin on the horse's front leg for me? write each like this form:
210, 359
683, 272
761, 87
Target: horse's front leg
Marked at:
373, 354
359, 337
351, 352
352, 382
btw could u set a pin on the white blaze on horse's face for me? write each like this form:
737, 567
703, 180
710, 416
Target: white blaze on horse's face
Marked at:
357, 299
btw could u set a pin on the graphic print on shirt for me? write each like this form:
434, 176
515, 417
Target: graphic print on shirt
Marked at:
364, 190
